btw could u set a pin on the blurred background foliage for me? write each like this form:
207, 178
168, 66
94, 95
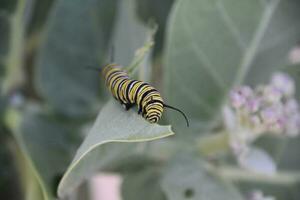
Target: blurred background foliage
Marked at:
202, 49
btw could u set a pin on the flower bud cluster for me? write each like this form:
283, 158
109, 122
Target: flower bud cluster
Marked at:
268, 108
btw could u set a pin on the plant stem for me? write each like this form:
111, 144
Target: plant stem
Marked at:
238, 174
29, 183
213, 143
142, 52
14, 60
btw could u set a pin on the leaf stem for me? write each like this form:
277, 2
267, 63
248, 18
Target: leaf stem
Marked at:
142, 52
238, 174
13, 121
29, 183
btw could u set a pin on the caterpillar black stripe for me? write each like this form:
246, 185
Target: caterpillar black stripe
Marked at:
131, 92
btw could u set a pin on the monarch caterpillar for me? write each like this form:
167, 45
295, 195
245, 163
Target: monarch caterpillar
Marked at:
130, 92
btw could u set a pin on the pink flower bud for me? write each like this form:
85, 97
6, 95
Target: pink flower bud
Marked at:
272, 94
283, 83
239, 96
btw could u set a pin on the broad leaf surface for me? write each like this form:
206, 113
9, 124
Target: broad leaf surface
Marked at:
10, 187
143, 185
46, 144
289, 158
130, 33
112, 125
7, 8
214, 45
40, 12
186, 178
157, 11
77, 36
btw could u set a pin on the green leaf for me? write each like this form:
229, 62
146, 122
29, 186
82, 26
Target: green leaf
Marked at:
77, 36
10, 187
157, 11
130, 34
143, 185
46, 144
113, 125
289, 158
282, 185
7, 8
127, 158
214, 45
39, 13
187, 178
4, 31
294, 72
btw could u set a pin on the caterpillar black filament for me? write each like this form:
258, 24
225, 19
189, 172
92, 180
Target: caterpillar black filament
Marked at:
131, 92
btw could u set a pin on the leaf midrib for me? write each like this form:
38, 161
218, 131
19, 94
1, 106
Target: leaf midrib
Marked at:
252, 50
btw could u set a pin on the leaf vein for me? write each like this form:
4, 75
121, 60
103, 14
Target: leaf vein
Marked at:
204, 105
203, 58
230, 25
251, 52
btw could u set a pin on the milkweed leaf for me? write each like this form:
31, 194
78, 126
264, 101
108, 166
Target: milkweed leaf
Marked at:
113, 125
77, 35
214, 45
186, 178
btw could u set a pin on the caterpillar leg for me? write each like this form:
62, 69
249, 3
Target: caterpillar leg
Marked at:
127, 106
140, 111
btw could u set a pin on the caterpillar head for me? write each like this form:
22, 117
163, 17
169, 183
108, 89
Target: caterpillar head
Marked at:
153, 109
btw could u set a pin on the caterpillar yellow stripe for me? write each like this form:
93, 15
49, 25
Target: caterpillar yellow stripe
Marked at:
130, 92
